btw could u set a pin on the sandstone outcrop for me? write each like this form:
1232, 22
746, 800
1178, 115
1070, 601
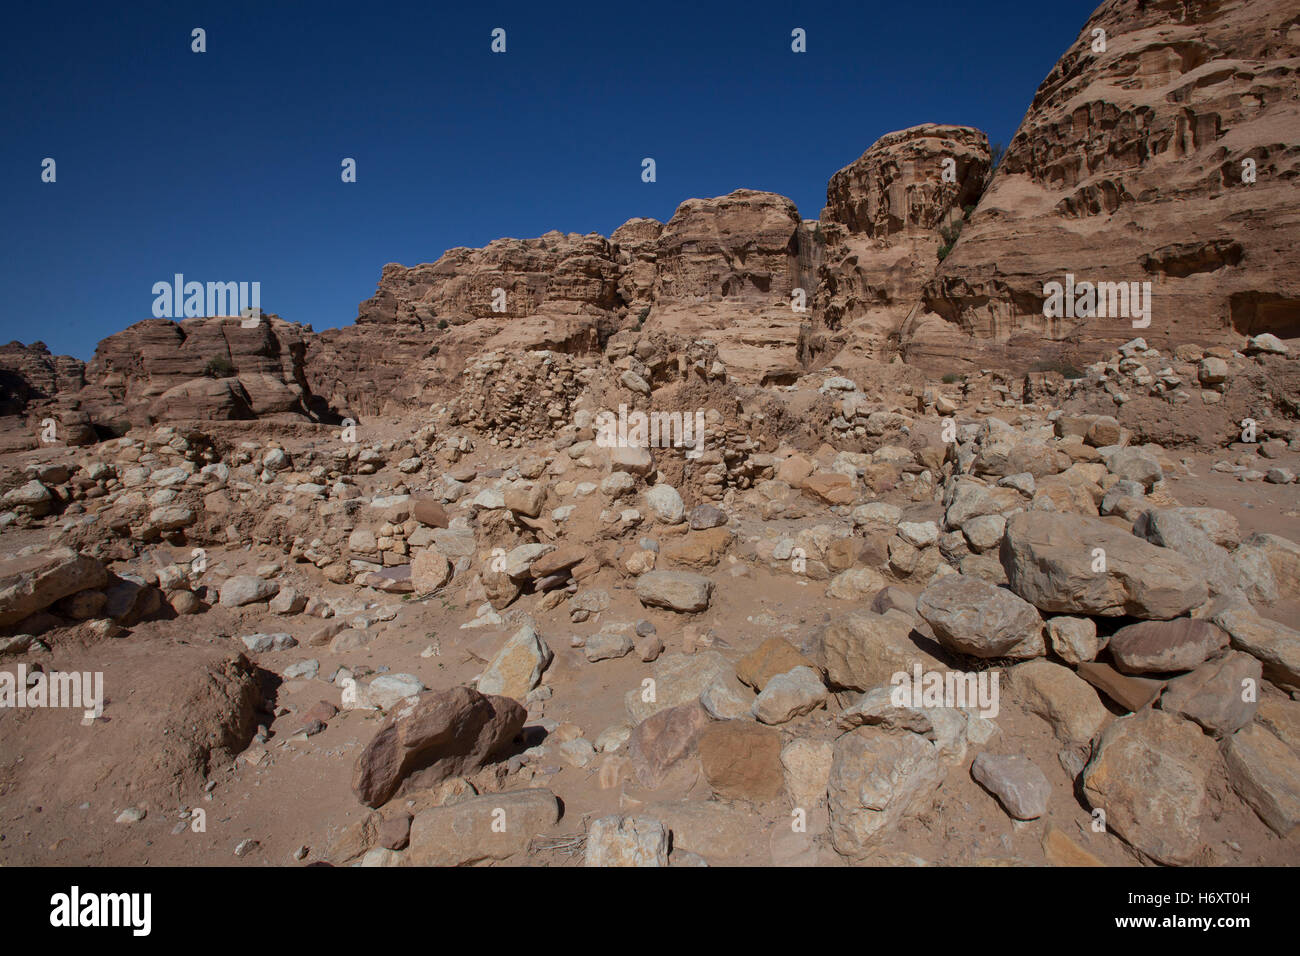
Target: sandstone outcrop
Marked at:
1134, 164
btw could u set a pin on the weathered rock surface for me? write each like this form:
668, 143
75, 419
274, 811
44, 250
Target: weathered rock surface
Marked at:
1049, 559
974, 617
1150, 774
495, 826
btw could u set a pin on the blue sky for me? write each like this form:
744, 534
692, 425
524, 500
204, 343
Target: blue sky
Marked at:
225, 165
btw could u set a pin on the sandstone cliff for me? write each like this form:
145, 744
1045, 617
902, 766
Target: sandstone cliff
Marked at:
1128, 167
882, 232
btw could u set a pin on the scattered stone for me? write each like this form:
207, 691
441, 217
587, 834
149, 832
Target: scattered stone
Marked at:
626, 841
1019, 785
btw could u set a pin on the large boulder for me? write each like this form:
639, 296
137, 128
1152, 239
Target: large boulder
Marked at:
33, 582
444, 734
1150, 774
1070, 564
877, 777
974, 617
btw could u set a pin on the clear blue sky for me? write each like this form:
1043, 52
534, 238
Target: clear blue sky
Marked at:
226, 165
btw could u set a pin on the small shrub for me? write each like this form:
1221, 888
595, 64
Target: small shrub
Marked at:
950, 234
952, 378
442, 323
219, 367
1066, 369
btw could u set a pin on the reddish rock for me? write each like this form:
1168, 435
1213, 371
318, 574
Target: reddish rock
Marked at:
445, 734
742, 760
1163, 646
664, 740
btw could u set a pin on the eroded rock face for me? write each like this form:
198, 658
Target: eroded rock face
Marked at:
554, 272
29, 373
1128, 167
203, 368
880, 231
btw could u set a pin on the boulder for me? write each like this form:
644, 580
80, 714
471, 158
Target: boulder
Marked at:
1016, 781
495, 826
1061, 698
1221, 695
1266, 774
444, 734
663, 741
33, 582
877, 777
246, 589
1150, 773
516, 668
973, 617
863, 650
620, 840
1162, 646
1050, 558
681, 591
774, 656
742, 760
797, 692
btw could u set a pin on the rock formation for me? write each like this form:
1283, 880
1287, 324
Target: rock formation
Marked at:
1167, 157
